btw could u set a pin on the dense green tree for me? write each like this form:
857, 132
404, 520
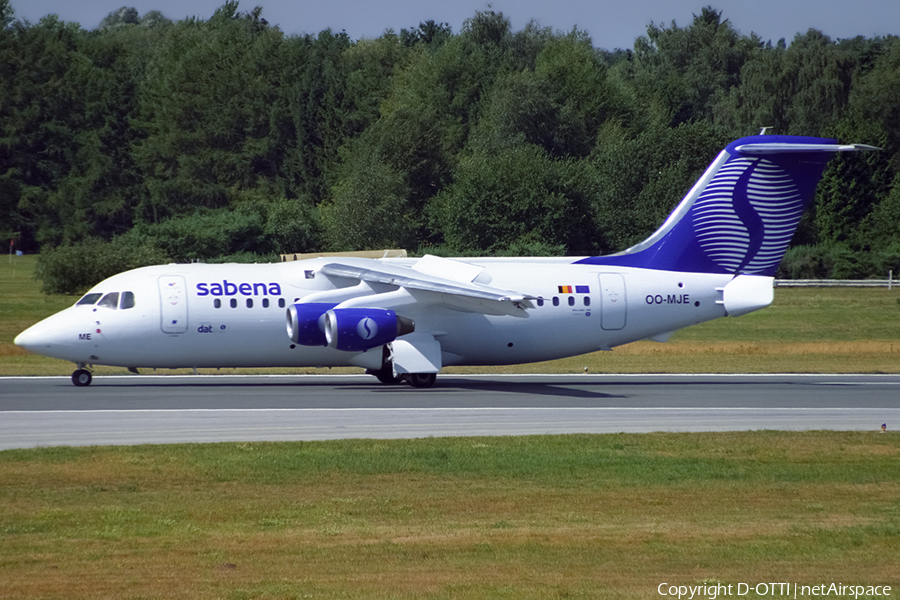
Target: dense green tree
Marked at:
429, 33
205, 234
370, 209
641, 179
369, 66
425, 122
873, 110
680, 74
764, 97
558, 103
849, 204
225, 137
7, 14
517, 195
292, 226
205, 112
120, 18
41, 118
154, 18
315, 85
819, 73
801, 89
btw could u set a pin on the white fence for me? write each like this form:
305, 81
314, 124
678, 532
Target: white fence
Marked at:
888, 283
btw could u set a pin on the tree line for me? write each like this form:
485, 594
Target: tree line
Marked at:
147, 140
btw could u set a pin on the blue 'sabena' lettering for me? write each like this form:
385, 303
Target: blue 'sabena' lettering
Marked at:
226, 288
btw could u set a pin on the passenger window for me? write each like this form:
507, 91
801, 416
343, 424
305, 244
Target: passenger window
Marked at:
555, 301
233, 303
89, 299
571, 300
111, 300
265, 303
127, 300
281, 303
249, 302
217, 303
587, 300
540, 302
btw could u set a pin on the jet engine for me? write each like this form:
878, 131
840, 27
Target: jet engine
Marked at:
358, 329
306, 323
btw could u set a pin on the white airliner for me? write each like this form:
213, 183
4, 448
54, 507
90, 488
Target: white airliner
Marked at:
405, 319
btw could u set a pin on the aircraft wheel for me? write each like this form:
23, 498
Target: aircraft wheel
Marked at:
385, 375
421, 380
82, 377
388, 378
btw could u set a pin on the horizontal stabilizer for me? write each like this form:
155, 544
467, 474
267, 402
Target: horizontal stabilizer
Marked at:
755, 149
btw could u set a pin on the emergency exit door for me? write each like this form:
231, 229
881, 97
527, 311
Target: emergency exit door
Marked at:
613, 305
173, 304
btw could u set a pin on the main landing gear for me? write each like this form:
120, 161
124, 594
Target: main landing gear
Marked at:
421, 380
387, 376
82, 377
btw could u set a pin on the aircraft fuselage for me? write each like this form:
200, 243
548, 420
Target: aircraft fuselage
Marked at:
233, 315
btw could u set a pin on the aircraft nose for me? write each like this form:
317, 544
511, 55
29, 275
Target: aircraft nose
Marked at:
35, 338
57, 337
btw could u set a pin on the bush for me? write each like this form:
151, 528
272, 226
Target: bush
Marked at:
205, 235
805, 262
293, 226
837, 261
212, 236
75, 268
245, 258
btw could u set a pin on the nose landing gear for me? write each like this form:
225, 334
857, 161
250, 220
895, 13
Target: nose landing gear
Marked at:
81, 377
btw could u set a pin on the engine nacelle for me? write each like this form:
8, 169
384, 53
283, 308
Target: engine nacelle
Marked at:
357, 329
306, 323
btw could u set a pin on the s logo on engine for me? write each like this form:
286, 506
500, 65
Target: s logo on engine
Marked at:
367, 328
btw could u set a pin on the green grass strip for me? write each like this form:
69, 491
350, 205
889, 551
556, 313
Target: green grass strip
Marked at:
584, 516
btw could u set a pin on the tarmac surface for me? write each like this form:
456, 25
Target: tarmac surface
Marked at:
149, 409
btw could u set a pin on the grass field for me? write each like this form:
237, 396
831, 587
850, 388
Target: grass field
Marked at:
811, 330
601, 516
581, 516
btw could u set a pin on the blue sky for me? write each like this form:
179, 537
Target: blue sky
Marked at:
611, 23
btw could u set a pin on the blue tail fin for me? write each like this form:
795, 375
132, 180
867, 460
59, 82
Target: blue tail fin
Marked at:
741, 215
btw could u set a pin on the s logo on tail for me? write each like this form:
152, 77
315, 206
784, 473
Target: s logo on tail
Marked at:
745, 219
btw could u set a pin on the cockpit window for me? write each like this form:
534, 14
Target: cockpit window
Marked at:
89, 299
111, 300
127, 300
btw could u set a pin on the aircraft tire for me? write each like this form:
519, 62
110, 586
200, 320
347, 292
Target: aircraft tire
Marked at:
82, 377
385, 375
421, 380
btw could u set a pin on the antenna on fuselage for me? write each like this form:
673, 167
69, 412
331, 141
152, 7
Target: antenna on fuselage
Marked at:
764, 130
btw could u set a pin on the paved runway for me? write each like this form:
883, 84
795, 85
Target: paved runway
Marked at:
165, 409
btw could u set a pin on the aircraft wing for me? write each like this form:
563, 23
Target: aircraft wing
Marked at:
455, 292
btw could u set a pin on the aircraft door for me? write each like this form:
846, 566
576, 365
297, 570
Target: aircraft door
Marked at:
613, 306
173, 304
